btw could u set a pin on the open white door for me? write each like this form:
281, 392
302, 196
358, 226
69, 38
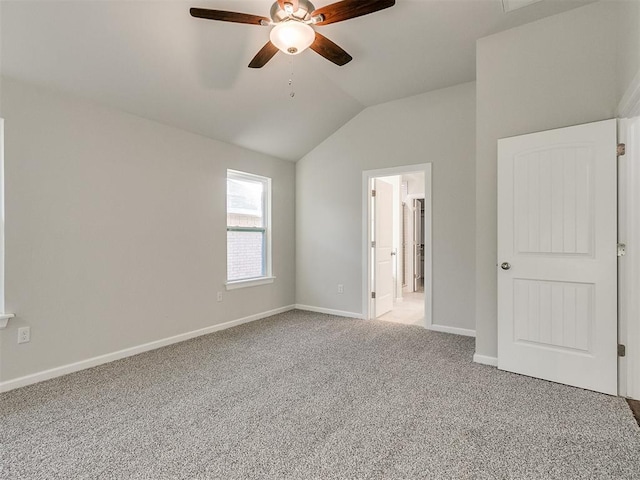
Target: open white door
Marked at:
557, 272
383, 237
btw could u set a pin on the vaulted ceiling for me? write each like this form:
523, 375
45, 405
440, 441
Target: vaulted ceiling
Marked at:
152, 59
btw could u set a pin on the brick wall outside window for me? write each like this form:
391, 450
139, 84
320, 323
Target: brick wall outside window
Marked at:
244, 255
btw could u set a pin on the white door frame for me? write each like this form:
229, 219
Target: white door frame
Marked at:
367, 176
629, 234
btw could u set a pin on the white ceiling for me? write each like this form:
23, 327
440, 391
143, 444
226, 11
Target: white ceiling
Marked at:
152, 59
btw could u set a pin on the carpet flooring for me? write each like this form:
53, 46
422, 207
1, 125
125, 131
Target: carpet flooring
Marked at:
309, 396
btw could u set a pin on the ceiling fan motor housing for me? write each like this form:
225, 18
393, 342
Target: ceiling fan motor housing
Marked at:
305, 7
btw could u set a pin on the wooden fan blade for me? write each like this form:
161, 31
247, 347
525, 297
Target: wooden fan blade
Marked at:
292, 2
338, 12
224, 16
265, 54
329, 50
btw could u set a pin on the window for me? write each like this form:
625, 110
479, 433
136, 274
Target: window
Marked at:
4, 317
248, 229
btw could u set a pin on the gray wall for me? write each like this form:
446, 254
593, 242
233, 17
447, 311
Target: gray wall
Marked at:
560, 71
435, 127
115, 230
628, 44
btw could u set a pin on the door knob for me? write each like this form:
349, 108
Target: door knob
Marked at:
505, 266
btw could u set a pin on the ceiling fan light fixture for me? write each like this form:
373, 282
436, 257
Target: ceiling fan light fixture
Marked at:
292, 37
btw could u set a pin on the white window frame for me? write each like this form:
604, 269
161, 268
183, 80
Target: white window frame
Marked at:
4, 317
266, 201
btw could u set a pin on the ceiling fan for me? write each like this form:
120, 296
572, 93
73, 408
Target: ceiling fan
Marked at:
293, 21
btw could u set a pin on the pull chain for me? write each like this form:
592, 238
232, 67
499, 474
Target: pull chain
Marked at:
292, 93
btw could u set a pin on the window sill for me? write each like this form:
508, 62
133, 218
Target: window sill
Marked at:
254, 282
4, 319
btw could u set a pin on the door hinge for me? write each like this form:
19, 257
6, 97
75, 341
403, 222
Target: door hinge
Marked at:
373, 193
373, 244
622, 249
373, 294
621, 150
622, 350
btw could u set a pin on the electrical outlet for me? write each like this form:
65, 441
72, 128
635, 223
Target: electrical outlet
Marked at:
219, 296
340, 288
24, 334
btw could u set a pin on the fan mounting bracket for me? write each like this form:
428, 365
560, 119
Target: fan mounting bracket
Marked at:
303, 14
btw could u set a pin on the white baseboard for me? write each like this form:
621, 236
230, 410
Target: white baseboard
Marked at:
455, 330
329, 311
485, 360
128, 352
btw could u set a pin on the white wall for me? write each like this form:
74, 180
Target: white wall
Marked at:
415, 183
628, 45
115, 230
437, 127
559, 71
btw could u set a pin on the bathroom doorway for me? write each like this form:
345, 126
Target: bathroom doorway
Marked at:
398, 245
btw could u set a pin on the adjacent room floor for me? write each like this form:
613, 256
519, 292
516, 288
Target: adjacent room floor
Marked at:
409, 311
309, 396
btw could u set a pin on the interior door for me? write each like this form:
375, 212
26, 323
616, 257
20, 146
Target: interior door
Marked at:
383, 237
557, 271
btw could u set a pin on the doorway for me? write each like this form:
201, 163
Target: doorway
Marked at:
397, 245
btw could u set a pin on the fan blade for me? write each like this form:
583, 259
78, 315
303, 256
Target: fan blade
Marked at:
265, 54
338, 12
294, 4
228, 16
329, 50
